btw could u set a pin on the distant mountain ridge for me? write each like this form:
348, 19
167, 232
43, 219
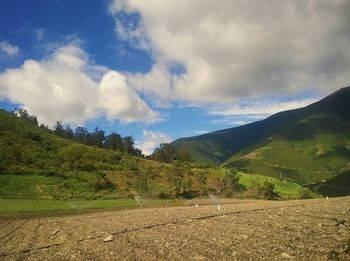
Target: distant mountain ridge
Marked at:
318, 134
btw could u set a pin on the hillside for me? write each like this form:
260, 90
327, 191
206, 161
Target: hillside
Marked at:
336, 186
306, 145
35, 163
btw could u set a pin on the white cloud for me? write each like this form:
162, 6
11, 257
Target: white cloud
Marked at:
66, 86
237, 120
8, 49
251, 110
150, 140
263, 107
200, 132
120, 101
233, 49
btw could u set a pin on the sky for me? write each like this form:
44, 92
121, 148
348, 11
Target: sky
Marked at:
160, 70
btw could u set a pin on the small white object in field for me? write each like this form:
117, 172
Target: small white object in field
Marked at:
196, 205
285, 256
327, 197
108, 238
55, 232
219, 208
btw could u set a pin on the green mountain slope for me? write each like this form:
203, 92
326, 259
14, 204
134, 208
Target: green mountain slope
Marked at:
305, 145
35, 163
336, 186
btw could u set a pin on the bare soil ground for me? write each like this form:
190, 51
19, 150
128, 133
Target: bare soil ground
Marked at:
316, 229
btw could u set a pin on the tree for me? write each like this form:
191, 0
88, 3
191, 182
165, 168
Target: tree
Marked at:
45, 127
128, 144
232, 178
228, 182
167, 153
97, 138
267, 190
58, 129
24, 114
81, 135
68, 132
114, 141
164, 153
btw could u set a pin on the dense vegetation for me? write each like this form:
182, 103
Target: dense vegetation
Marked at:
36, 163
307, 145
96, 138
167, 153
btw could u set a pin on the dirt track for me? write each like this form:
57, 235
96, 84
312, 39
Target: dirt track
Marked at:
251, 230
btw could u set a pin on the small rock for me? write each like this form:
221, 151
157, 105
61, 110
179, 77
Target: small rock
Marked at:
341, 226
55, 232
108, 238
285, 256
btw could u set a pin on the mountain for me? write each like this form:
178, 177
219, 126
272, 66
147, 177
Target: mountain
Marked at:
306, 145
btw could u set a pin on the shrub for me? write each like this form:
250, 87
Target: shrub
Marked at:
267, 190
306, 194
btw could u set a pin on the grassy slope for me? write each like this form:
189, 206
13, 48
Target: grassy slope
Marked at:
287, 190
290, 155
305, 145
336, 186
37, 164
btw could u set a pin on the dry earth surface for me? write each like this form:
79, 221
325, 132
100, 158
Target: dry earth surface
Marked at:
316, 229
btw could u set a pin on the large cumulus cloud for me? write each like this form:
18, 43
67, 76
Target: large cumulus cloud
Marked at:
232, 49
66, 86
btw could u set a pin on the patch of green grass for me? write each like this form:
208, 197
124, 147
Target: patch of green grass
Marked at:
303, 161
287, 190
28, 206
88, 185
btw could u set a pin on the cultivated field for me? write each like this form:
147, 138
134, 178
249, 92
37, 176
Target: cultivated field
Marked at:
315, 229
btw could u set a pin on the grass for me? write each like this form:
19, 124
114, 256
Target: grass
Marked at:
337, 186
87, 185
303, 161
42, 206
287, 190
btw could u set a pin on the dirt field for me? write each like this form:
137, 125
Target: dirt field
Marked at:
243, 230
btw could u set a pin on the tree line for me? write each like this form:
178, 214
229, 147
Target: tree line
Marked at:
97, 138
167, 153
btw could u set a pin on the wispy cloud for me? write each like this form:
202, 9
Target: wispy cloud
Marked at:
8, 49
38, 33
237, 121
266, 107
199, 132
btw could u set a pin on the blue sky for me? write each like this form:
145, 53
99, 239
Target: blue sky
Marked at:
160, 70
